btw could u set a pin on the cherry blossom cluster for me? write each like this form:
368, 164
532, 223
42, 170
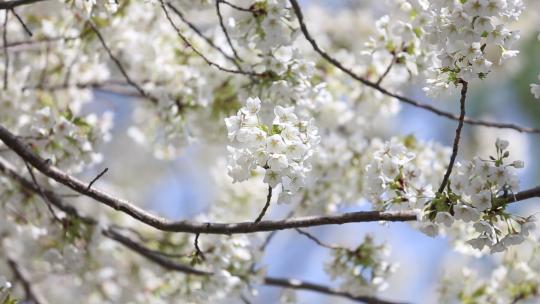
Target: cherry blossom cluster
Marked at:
448, 40
283, 148
478, 193
399, 37
516, 279
266, 27
397, 179
308, 106
362, 271
463, 31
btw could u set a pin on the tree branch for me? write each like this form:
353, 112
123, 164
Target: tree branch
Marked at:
199, 53
24, 26
455, 147
263, 211
303, 285
97, 177
6, 5
161, 258
22, 277
31, 42
337, 64
198, 32
120, 66
388, 69
41, 193
280, 282
224, 29
161, 223
316, 240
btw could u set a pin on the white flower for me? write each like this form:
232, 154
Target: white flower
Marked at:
285, 115
528, 225
296, 150
501, 144
480, 242
233, 124
277, 162
444, 218
512, 239
466, 213
482, 200
292, 184
518, 164
253, 105
275, 144
498, 247
485, 228
272, 178
458, 183
429, 229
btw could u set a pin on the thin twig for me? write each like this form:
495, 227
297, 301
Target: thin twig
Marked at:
316, 240
337, 64
303, 285
268, 199
236, 7
199, 53
198, 251
120, 66
6, 55
150, 254
41, 193
387, 71
97, 177
22, 277
53, 198
42, 40
200, 34
224, 29
26, 29
455, 147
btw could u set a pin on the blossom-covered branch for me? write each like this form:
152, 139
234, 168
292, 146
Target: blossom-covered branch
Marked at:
186, 226
407, 100
152, 255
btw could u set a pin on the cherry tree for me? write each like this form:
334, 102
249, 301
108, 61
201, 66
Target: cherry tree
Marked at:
292, 108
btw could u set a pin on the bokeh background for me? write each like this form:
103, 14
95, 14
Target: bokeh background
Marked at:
183, 188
